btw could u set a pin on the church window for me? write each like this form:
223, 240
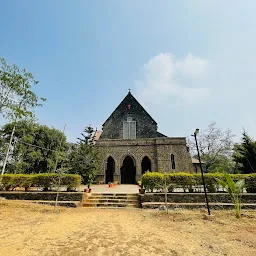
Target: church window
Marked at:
129, 129
172, 161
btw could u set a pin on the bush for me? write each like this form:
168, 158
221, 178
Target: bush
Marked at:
40, 180
152, 180
189, 182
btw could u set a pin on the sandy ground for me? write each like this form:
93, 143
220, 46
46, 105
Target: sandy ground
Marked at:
31, 229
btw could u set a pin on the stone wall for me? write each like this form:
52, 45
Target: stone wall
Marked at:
158, 150
44, 196
195, 197
146, 127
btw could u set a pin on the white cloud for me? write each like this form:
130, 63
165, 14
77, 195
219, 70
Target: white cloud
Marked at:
164, 78
192, 66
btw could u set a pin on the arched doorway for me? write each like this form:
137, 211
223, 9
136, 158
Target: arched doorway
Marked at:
145, 165
110, 170
128, 171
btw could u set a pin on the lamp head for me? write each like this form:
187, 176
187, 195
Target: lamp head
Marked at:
196, 131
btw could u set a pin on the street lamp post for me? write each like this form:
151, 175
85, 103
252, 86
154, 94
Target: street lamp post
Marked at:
200, 164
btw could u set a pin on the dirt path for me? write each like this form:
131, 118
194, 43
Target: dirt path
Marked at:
30, 229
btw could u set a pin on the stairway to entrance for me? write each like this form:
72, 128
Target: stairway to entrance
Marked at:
111, 200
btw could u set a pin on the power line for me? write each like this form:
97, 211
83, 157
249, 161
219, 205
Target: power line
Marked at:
36, 146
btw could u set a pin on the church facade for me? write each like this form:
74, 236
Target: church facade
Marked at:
129, 145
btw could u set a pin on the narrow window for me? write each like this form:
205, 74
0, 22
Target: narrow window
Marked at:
132, 130
126, 130
129, 129
172, 161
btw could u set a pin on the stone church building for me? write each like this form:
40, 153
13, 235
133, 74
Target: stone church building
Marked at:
129, 145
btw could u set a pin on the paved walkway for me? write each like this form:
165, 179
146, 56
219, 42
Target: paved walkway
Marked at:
122, 189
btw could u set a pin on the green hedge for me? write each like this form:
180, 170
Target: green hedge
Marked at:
192, 182
40, 180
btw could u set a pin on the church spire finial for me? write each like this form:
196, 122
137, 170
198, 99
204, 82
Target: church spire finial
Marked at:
129, 90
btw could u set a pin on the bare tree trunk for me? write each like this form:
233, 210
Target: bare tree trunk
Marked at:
57, 196
59, 175
165, 196
9, 145
166, 190
7, 152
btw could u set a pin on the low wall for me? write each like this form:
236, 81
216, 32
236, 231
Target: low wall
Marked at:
44, 196
195, 197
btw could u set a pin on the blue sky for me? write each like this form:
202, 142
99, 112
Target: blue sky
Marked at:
188, 62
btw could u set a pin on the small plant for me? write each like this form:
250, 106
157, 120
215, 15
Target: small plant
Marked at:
90, 181
170, 188
234, 189
111, 184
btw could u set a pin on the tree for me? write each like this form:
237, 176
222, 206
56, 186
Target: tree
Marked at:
83, 157
245, 154
216, 148
34, 148
16, 97
17, 100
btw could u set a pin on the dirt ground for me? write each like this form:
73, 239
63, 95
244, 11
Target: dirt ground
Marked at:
31, 229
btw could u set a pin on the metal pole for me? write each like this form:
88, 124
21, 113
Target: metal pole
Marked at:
205, 193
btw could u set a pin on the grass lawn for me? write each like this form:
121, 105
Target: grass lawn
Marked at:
31, 229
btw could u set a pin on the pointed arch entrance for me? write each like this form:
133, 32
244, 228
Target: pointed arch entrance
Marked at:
128, 171
145, 165
110, 170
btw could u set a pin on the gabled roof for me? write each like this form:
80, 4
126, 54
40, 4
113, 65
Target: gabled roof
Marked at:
134, 106
196, 161
97, 135
159, 135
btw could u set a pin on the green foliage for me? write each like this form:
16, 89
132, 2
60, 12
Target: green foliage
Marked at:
16, 97
152, 180
83, 158
222, 164
33, 159
234, 189
189, 182
40, 180
245, 154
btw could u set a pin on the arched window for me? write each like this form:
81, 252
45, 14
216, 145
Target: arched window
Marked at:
145, 165
172, 161
110, 170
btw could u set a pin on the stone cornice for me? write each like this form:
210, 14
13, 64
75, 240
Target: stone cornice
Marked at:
142, 142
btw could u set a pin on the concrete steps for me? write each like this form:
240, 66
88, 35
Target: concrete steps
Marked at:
154, 205
111, 200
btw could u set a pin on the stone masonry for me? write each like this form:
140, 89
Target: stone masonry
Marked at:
149, 143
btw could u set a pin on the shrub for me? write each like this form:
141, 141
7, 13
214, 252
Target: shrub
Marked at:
188, 181
250, 183
152, 180
40, 180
